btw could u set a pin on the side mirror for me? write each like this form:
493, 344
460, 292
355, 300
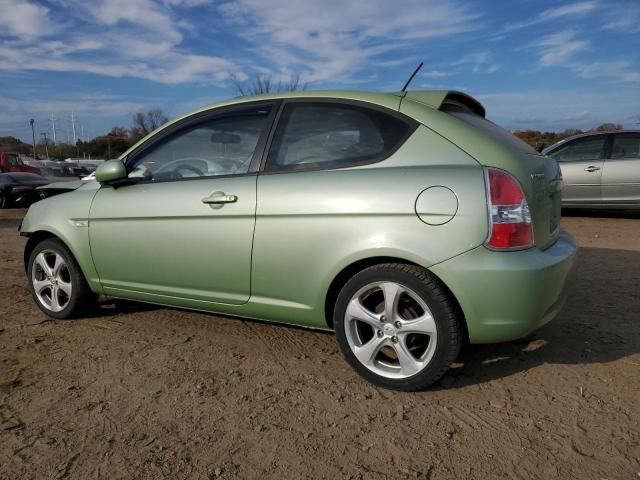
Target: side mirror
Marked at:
111, 171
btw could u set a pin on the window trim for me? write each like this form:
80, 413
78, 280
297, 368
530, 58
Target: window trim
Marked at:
202, 117
604, 150
410, 122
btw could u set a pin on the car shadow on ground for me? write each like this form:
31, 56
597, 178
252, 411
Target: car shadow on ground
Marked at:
598, 324
110, 307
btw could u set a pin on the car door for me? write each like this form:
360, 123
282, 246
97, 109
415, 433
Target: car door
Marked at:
581, 162
313, 205
621, 174
182, 226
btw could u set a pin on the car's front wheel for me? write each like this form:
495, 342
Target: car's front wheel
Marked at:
397, 326
56, 281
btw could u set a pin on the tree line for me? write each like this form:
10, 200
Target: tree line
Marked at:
541, 140
107, 146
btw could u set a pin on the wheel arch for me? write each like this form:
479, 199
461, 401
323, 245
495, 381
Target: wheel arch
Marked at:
34, 239
350, 270
85, 263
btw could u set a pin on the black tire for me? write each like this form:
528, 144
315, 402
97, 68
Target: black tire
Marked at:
81, 297
448, 322
4, 201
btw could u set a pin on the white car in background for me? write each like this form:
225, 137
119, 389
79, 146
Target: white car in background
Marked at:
600, 169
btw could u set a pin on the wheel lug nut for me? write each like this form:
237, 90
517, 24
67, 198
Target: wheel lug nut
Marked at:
383, 318
394, 339
380, 333
397, 324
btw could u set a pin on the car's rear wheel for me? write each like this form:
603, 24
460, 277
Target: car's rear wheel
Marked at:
56, 281
397, 326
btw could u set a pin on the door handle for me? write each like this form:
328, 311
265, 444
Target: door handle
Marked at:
219, 197
591, 168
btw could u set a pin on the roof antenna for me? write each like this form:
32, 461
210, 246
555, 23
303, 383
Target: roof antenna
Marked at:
404, 89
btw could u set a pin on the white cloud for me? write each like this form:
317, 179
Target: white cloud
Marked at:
557, 48
173, 67
623, 17
138, 39
550, 14
617, 70
23, 19
481, 62
142, 13
330, 40
577, 117
578, 8
436, 74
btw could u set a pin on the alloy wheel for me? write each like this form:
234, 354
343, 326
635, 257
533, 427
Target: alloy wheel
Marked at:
390, 329
51, 280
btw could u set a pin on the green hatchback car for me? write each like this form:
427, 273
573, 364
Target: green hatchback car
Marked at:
405, 222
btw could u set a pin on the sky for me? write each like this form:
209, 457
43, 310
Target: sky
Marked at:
537, 64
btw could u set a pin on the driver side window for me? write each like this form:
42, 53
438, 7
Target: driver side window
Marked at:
223, 145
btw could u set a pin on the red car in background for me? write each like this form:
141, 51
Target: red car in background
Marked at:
10, 162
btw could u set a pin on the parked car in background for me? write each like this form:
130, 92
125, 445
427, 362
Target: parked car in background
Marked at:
600, 170
49, 168
11, 162
78, 167
56, 188
406, 222
18, 189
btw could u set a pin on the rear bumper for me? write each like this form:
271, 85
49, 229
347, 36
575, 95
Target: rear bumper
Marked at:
506, 295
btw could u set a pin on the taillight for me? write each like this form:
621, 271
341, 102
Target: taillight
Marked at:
509, 214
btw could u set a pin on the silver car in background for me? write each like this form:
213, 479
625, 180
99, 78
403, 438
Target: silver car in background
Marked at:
600, 169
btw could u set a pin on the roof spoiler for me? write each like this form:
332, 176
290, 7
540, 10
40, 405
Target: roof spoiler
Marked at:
446, 100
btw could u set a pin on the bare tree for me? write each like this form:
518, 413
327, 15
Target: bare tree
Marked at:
146, 122
263, 84
608, 127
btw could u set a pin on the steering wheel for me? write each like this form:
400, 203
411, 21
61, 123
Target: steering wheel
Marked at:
186, 166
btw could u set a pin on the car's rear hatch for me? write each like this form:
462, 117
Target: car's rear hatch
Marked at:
465, 125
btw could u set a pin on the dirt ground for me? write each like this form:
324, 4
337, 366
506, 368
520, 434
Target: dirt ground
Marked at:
139, 391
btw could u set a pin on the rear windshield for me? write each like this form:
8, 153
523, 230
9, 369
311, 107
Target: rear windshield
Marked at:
496, 132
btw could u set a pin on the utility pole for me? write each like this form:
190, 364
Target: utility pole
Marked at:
53, 128
73, 126
46, 144
33, 133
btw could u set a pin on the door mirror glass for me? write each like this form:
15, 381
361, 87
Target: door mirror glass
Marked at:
111, 171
